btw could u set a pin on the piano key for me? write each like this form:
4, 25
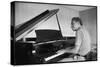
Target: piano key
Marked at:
53, 56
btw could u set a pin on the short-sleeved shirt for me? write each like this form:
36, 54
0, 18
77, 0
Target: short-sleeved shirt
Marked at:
83, 40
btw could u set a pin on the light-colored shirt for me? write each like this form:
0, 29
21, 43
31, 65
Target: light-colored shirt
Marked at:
83, 41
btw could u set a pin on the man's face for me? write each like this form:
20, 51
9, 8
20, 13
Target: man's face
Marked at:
75, 25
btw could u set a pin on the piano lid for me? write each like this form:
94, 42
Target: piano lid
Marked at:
30, 25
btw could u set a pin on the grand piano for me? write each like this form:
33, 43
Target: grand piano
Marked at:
43, 48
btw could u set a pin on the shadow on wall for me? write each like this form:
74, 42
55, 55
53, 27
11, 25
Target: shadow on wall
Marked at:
89, 18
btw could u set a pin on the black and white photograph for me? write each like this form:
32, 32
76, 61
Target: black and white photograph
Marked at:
48, 33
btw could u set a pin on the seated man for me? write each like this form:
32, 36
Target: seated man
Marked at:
82, 42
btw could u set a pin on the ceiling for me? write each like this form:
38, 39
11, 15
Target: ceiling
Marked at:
80, 8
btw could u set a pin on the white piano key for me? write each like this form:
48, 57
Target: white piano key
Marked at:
53, 56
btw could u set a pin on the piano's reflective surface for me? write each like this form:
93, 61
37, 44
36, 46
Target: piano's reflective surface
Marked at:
43, 48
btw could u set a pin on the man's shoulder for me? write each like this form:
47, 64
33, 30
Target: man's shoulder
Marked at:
79, 32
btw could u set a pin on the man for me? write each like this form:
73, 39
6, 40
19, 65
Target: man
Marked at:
82, 42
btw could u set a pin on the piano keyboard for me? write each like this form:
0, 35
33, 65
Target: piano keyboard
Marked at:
53, 56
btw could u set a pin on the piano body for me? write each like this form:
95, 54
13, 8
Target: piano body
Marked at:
41, 49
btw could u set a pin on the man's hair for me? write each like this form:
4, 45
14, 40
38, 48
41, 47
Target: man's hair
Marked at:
77, 19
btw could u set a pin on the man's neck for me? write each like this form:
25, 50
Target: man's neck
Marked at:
79, 28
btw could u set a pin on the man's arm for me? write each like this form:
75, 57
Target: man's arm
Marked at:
78, 42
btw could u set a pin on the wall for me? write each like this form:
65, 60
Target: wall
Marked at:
26, 11
89, 19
